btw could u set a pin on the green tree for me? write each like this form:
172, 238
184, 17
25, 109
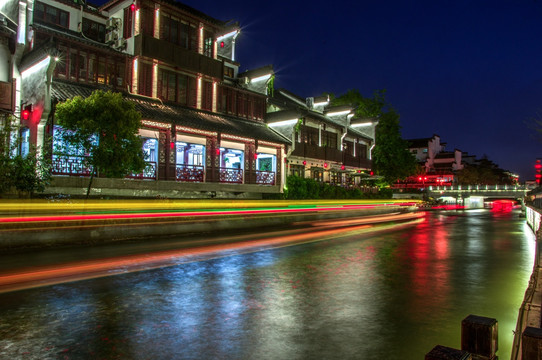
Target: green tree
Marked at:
391, 158
105, 127
26, 174
365, 107
483, 172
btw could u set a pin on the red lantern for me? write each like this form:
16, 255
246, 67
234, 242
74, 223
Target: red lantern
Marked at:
26, 114
325, 165
304, 162
222, 44
217, 151
342, 167
132, 7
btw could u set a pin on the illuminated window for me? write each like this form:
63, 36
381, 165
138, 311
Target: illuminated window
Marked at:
25, 142
318, 175
231, 158
208, 43
266, 162
150, 149
190, 154
228, 72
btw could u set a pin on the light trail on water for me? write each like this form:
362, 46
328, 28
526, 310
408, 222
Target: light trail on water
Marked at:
225, 246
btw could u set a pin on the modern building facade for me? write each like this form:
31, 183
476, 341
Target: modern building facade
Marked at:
202, 121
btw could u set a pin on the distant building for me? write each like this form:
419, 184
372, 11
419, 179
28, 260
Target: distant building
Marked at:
437, 166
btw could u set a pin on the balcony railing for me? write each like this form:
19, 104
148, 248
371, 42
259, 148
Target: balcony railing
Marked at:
190, 173
227, 175
149, 173
70, 165
146, 45
357, 161
330, 154
265, 177
75, 166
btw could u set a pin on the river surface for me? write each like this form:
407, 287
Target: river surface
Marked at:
394, 294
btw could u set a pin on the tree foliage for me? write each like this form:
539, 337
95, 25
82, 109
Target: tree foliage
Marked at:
27, 174
365, 107
298, 188
391, 158
483, 172
105, 128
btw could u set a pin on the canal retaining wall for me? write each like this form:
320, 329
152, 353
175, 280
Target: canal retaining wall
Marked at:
528, 335
82, 230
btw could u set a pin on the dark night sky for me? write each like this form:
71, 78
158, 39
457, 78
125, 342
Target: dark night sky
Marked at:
468, 71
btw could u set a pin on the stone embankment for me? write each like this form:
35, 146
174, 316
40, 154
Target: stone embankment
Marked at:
48, 224
528, 334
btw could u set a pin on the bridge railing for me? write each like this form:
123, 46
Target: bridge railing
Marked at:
478, 188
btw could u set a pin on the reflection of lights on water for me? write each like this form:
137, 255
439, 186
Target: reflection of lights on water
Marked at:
503, 205
106, 267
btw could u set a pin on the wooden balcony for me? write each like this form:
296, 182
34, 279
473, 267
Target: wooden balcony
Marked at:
174, 55
7, 95
329, 154
357, 162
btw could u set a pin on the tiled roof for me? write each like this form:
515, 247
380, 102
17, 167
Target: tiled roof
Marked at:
154, 109
37, 54
289, 106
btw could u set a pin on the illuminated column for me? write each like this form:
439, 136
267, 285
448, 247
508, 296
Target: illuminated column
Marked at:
198, 93
137, 23
155, 79
200, 39
215, 50
157, 21
21, 30
134, 76
319, 134
214, 96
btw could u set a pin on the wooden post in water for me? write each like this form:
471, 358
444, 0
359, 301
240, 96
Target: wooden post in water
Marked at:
440, 352
479, 336
531, 343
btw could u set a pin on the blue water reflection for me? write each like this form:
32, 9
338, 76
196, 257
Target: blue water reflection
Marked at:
389, 295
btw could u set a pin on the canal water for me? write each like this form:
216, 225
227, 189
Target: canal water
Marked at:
394, 294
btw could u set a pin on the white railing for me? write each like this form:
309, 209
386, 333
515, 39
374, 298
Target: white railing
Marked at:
478, 188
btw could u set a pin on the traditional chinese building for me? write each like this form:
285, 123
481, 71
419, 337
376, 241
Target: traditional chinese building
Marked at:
202, 122
328, 143
438, 166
